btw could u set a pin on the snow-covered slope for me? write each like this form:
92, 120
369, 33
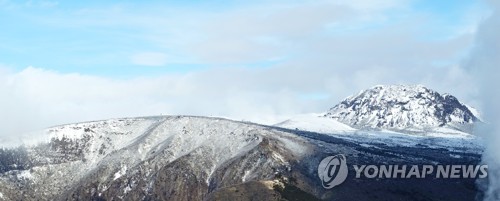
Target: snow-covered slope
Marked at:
396, 115
440, 137
315, 123
403, 107
140, 150
201, 158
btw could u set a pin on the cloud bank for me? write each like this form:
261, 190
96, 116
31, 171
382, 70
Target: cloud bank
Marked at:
483, 64
263, 61
35, 98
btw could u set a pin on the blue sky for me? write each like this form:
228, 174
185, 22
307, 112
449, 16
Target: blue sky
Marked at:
68, 61
104, 37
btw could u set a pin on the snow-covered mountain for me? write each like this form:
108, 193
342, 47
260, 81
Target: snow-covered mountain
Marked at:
204, 158
201, 158
396, 114
133, 159
403, 107
440, 138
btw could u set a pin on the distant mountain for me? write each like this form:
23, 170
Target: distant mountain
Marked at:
403, 107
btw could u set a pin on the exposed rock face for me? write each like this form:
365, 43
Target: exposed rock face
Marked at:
402, 107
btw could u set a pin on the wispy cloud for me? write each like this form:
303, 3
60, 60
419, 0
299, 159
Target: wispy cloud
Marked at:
238, 34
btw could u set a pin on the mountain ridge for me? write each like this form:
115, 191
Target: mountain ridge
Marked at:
403, 107
207, 158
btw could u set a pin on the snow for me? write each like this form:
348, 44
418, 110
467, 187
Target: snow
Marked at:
316, 123
121, 144
278, 157
211, 172
475, 112
24, 174
117, 146
120, 173
244, 178
367, 145
438, 137
127, 189
401, 107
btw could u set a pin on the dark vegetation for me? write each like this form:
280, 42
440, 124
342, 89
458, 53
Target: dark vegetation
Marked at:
14, 159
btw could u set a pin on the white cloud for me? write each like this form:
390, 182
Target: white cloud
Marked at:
260, 33
325, 47
483, 64
35, 98
252, 32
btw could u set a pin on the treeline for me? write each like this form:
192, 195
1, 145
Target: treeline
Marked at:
14, 159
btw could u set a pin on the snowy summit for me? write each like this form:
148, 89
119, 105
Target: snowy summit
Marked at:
403, 107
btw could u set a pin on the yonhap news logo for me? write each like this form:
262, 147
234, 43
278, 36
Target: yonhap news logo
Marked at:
333, 171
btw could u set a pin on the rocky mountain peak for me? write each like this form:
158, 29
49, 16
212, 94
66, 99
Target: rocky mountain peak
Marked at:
400, 107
